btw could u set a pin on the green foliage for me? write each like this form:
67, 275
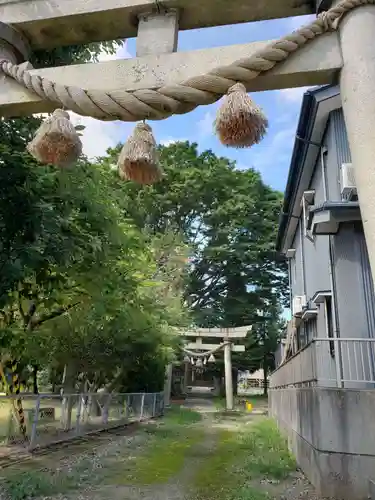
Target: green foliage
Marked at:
97, 275
240, 460
80, 286
28, 485
267, 452
228, 220
163, 459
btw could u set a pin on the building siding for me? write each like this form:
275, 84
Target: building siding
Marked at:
338, 152
296, 266
316, 251
310, 268
349, 283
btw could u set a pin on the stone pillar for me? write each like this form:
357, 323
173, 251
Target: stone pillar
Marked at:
186, 377
13, 46
168, 385
357, 84
228, 376
157, 33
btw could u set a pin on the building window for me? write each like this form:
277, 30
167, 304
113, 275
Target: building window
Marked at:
329, 323
307, 202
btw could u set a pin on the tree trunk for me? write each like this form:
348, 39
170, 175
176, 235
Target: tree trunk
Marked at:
35, 380
105, 411
235, 381
217, 388
222, 387
69, 379
265, 380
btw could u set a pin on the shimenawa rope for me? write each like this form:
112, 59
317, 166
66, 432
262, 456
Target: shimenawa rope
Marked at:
186, 96
204, 354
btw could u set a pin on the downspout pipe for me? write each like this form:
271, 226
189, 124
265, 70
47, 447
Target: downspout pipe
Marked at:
335, 321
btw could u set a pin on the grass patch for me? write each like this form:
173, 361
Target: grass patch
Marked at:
164, 459
239, 459
26, 484
267, 452
219, 402
181, 416
164, 456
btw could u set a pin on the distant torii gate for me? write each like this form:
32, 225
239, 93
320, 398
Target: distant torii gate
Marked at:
199, 349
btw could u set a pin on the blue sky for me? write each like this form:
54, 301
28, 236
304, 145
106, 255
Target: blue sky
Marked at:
271, 157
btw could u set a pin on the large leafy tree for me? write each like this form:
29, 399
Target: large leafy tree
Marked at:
79, 285
228, 217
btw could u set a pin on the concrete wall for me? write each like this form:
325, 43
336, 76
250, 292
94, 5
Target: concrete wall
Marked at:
330, 431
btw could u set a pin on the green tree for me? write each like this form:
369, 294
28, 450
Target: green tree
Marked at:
228, 218
79, 285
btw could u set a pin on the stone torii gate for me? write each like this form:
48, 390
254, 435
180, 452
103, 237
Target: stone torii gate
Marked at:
340, 47
160, 82
226, 336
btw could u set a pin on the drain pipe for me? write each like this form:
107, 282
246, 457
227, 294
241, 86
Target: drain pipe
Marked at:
323, 152
335, 322
331, 264
302, 258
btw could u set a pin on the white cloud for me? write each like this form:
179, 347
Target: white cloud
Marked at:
298, 21
278, 151
205, 125
98, 136
282, 137
170, 140
293, 95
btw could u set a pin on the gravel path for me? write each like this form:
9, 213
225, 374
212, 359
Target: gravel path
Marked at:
123, 449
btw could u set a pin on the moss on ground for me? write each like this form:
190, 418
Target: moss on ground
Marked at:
239, 459
163, 459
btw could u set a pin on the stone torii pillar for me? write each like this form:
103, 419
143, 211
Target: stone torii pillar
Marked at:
357, 87
226, 335
228, 375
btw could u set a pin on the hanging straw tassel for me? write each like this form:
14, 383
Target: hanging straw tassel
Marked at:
138, 160
56, 141
240, 123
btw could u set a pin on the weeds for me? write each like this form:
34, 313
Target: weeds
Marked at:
229, 469
241, 458
181, 416
33, 484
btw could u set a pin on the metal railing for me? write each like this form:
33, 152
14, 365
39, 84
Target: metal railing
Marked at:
328, 362
51, 418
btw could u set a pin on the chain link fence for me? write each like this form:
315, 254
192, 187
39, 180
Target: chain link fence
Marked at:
33, 422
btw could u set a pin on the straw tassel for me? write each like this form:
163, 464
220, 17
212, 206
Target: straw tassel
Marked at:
138, 160
56, 141
240, 123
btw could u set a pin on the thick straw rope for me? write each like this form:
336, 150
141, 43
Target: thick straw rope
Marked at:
186, 96
204, 354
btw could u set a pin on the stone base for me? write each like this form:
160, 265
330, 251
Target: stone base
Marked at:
329, 432
334, 475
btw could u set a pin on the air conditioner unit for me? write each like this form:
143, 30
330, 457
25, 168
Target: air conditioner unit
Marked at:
348, 185
299, 302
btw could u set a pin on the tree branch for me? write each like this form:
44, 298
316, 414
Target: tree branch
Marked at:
52, 315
